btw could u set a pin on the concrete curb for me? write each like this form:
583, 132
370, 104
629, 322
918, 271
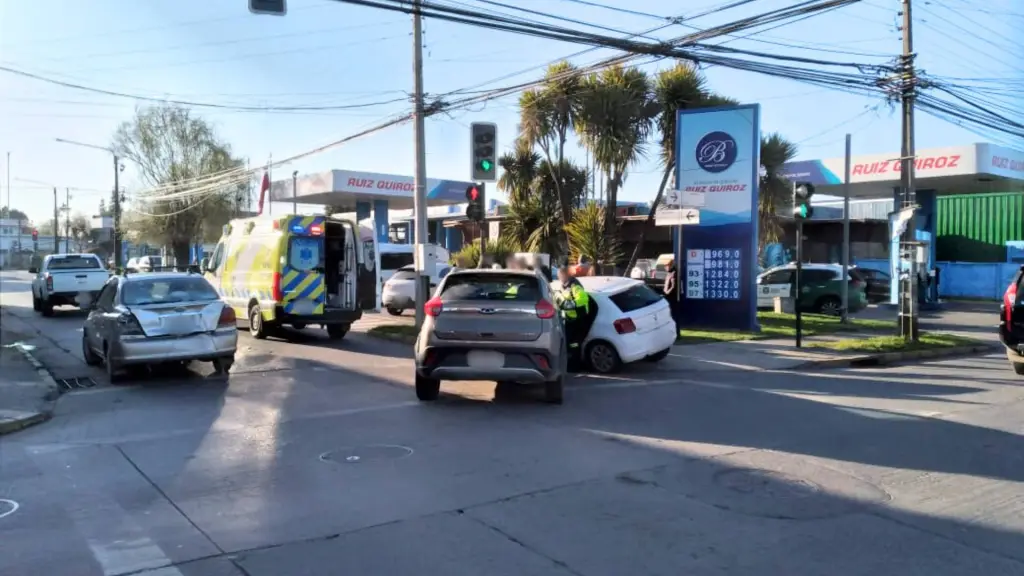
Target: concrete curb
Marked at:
886, 358
20, 420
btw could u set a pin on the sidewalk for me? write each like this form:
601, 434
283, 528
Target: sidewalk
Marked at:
782, 354
27, 391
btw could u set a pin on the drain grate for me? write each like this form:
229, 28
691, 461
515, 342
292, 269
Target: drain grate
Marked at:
69, 384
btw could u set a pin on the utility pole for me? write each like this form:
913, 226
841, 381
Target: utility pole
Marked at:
295, 192
56, 223
67, 219
908, 89
846, 232
8, 184
420, 198
117, 214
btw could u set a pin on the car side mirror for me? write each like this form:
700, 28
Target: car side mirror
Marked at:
204, 265
33, 270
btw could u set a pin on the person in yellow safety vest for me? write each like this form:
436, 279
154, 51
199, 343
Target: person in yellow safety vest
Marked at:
574, 302
513, 263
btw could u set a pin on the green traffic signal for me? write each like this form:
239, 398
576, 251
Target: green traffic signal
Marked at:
486, 165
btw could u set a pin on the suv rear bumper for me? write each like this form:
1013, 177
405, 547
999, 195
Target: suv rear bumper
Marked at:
521, 365
330, 316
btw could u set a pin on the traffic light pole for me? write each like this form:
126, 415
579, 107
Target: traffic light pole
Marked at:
798, 283
420, 198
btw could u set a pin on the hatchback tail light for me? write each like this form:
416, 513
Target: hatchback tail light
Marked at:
1009, 299
624, 325
433, 307
227, 317
49, 283
130, 325
545, 310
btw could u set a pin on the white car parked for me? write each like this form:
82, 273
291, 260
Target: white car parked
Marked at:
399, 292
633, 323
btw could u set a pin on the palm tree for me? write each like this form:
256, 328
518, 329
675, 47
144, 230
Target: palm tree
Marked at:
587, 238
533, 220
681, 87
774, 190
616, 109
547, 114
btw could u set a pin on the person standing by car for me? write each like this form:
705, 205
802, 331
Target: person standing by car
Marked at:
671, 291
574, 302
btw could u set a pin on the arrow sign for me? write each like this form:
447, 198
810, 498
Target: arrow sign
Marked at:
679, 217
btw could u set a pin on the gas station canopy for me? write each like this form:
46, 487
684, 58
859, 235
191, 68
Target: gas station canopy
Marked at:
977, 168
344, 188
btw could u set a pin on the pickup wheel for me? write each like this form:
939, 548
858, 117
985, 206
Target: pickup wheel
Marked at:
46, 307
37, 305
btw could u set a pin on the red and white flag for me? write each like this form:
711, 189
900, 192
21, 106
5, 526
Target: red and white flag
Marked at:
264, 188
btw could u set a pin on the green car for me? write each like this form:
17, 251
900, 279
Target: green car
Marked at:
821, 290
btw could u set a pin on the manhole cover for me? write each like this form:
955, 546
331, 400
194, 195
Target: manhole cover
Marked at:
370, 453
68, 384
767, 482
7, 507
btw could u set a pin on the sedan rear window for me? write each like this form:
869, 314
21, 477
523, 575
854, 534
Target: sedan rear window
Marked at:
635, 298
74, 262
167, 291
404, 275
492, 287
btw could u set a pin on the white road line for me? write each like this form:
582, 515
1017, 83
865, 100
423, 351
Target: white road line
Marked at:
11, 504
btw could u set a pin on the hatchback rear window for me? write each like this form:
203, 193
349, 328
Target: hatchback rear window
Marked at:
491, 287
167, 291
635, 298
74, 262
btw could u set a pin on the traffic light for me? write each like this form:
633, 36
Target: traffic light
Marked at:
275, 7
485, 157
802, 192
475, 209
35, 235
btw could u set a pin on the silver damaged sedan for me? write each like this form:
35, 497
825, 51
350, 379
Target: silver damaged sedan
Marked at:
159, 318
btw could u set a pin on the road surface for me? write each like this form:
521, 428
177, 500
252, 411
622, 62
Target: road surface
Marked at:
314, 458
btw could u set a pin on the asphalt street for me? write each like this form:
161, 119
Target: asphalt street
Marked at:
314, 458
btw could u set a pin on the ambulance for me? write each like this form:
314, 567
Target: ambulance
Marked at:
294, 271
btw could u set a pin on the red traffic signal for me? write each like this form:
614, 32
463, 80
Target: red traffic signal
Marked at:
472, 194
35, 234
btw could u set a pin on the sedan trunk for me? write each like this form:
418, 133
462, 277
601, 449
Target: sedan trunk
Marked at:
179, 319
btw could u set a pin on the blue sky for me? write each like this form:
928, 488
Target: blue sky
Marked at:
328, 53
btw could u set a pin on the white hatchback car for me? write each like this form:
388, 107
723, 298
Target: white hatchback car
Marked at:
399, 292
632, 323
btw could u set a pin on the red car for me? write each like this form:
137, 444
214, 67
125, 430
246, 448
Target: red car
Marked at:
1011, 322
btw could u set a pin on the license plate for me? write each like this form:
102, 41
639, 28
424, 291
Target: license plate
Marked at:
303, 307
485, 359
181, 324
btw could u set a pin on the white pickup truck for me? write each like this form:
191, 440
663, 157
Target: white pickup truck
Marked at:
67, 280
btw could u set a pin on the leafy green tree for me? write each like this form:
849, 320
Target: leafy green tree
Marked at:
194, 177
13, 214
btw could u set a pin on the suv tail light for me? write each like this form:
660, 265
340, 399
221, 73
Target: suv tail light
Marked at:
275, 287
624, 325
1009, 299
433, 307
130, 325
227, 317
545, 310
49, 283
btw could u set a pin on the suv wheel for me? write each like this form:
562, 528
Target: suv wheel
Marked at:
427, 389
829, 306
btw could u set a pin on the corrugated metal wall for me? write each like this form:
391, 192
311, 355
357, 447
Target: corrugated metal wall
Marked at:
976, 227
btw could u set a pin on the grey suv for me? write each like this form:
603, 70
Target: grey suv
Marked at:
496, 325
